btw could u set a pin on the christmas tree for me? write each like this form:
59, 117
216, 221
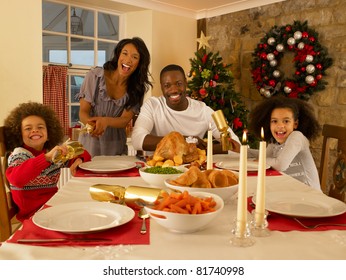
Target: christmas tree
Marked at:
211, 81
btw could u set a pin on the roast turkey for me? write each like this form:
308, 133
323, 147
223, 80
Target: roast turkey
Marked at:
174, 145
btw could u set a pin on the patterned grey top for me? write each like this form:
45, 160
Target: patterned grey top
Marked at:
93, 90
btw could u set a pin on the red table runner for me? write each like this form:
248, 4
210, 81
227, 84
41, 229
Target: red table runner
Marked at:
269, 172
127, 234
286, 223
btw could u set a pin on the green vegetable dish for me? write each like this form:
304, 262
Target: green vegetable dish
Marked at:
162, 170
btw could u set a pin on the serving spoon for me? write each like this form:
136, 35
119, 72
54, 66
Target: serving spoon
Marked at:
143, 215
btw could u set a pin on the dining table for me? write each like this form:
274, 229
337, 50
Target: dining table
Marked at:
287, 240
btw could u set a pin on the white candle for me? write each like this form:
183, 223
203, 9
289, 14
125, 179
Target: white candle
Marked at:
260, 194
210, 149
242, 189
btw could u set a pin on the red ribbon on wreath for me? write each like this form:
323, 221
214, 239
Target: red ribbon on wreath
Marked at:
295, 89
301, 54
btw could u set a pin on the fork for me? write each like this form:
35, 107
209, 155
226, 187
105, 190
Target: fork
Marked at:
318, 225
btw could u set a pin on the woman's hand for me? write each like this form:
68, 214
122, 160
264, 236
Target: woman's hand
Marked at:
100, 125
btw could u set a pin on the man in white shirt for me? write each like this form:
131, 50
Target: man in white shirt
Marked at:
174, 111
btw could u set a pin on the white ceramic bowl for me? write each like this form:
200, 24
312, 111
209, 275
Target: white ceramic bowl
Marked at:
225, 193
187, 223
158, 180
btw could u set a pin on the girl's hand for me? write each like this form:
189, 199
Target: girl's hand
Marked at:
56, 150
74, 166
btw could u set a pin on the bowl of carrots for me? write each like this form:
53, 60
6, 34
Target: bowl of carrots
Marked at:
182, 212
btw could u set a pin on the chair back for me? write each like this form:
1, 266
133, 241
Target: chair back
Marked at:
7, 207
334, 171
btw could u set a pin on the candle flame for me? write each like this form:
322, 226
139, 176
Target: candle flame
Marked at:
244, 140
262, 133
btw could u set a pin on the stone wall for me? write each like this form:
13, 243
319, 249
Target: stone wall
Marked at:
236, 35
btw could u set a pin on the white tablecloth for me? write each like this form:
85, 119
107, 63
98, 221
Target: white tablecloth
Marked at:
209, 244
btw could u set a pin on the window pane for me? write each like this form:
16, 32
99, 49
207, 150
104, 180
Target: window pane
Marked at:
105, 52
82, 22
54, 17
82, 52
108, 26
54, 49
74, 118
76, 82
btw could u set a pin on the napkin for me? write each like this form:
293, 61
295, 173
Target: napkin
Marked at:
127, 234
133, 172
286, 223
269, 172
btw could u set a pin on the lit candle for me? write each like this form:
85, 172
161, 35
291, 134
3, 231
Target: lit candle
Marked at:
260, 195
210, 149
242, 189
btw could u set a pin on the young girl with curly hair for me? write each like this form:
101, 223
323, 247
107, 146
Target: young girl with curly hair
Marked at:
288, 126
34, 135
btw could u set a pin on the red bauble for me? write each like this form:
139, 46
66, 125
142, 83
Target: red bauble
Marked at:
319, 66
263, 55
305, 34
216, 77
290, 47
297, 73
313, 84
312, 39
202, 91
303, 69
319, 77
288, 28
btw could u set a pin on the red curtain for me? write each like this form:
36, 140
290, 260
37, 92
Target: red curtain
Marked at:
54, 92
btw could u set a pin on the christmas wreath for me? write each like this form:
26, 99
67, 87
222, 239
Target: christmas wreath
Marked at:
310, 60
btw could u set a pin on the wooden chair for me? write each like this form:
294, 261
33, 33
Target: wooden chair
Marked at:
337, 188
7, 207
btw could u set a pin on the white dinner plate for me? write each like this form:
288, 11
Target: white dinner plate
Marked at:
234, 165
107, 166
83, 217
303, 204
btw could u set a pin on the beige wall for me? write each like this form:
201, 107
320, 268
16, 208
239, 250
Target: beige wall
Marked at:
20, 54
170, 39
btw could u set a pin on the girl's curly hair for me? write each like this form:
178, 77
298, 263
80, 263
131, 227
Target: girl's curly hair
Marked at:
13, 125
260, 116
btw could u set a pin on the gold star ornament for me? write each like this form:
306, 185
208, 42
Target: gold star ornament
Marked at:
203, 41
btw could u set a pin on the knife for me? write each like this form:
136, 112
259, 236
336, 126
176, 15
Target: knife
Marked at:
57, 240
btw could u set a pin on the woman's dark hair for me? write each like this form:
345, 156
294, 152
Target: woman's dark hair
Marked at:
13, 125
172, 67
260, 116
138, 83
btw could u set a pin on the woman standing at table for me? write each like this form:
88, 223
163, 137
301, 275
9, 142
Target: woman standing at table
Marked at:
111, 96
288, 126
34, 134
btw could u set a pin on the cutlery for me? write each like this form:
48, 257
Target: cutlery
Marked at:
57, 240
318, 225
143, 215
